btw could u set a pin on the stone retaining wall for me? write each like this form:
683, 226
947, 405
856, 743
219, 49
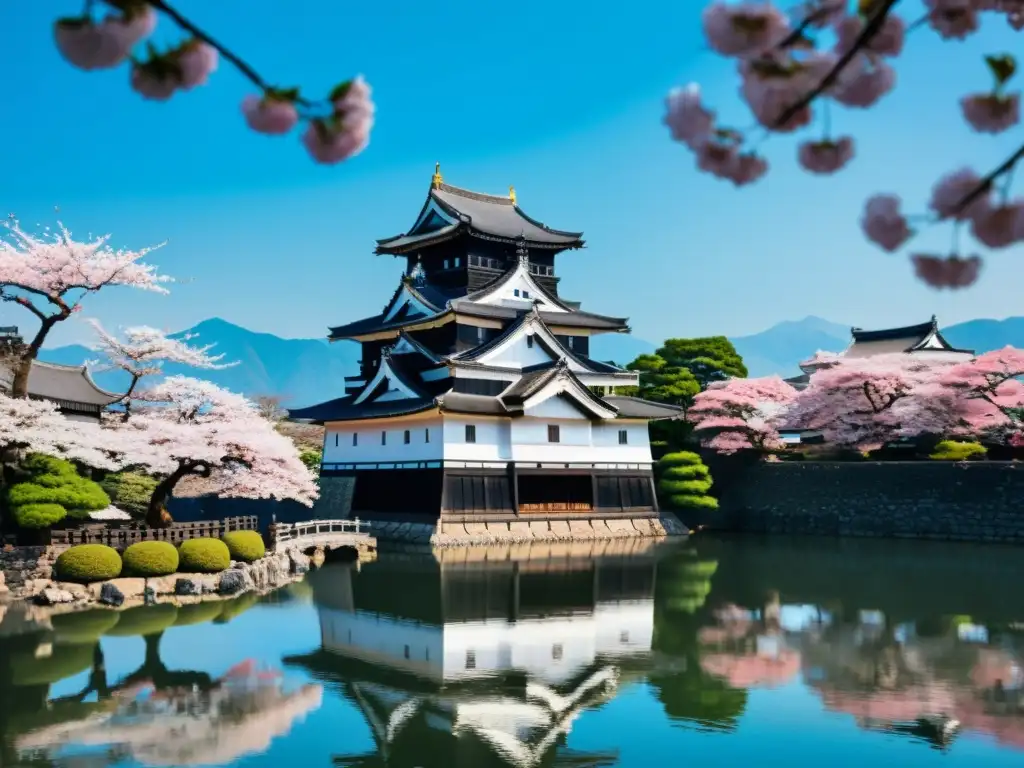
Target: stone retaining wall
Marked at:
972, 501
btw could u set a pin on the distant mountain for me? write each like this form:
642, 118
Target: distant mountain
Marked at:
300, 371
307, 371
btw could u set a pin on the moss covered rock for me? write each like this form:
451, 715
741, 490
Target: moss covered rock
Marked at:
246, 546
684, 482
203, 556
145, 620
150, 558
83, 627
87, 563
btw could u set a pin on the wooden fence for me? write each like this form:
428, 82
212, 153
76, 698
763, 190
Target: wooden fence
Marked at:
120, 538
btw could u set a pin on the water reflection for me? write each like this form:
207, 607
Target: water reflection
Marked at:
497, 660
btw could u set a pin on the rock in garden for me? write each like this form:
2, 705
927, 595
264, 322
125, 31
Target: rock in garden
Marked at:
188, 587
54, 596
299, 562
111, 595
231, 582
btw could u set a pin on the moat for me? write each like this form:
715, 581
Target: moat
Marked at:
728, 651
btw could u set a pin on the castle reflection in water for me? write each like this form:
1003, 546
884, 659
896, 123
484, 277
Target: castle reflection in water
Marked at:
489, 662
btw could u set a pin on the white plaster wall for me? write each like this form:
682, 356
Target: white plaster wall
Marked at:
517, 353
555, 408
580, 441
338, 448
492, 439
520, 281
365, 634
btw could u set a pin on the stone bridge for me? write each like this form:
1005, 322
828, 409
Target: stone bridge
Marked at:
318, 537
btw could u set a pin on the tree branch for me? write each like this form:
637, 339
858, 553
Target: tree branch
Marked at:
240, 64
986, 183
869, 31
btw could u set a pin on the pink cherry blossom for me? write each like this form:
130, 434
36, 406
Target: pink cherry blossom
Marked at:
741, 413
825, 157
952, 189
772, 86
152, 84
991, 113
1000, 226
887, 41
347, 133
883, 224
689, 121
952, 19
196, 60
269, 115
722, 158
745, 28
947, 271
866, 80
821, 14
88, 45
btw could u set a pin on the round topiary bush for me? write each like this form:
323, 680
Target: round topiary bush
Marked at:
88, 562
203, 556
953, 450
83, 627
246, 546
685, 482
53, 491
150, 558
39, 515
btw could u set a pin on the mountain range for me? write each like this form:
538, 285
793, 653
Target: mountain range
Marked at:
306, 371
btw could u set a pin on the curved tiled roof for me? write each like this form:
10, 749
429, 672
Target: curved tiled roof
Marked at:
61, 384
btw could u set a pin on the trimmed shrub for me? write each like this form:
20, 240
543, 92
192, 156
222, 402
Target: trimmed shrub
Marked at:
84, 626
198, 613
953, 450
130, 491
145, 620
246, 546
88, 562
311, 458
150, 558
684, 482
54, 486
203, 556
65, 661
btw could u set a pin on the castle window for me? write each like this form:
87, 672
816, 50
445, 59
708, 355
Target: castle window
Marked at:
529, 341
458, 262
515, 292
408, 437
383, 438
557, 652
553, 433
335, 439
623, 437
526, 294
445, 265
470, 659
355, 439
471, 433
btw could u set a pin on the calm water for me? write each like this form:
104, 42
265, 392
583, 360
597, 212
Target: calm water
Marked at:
729, 652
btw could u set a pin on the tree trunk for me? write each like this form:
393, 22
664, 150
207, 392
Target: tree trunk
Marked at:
19, 387
157, 515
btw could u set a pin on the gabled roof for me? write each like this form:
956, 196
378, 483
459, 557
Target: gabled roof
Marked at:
390, 371
66, 385
520, 273
345, 409
638, 408
451, 211
555, 379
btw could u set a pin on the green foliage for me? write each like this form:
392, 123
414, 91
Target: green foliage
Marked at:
664, 383
684, 482
236, 607
84, 626
130, 491
204, 556
54, 490
64, 661
150, 558
246, 546
710, 358
87, 563
311, 458
952, 450
145, 620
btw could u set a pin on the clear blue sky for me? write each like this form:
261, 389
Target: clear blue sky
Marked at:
563, 100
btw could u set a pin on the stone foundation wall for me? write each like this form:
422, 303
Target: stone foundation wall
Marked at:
335, 501
976, 501
25, 570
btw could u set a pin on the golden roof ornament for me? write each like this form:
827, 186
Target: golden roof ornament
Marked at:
512, 195
438, 179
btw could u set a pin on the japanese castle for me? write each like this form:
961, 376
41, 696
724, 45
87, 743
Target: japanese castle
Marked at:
477, 399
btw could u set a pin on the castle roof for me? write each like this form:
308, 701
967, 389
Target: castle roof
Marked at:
70, 387
451, 211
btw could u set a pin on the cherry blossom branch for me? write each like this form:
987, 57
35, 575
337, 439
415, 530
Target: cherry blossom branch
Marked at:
224, 51
869, 31
986, 183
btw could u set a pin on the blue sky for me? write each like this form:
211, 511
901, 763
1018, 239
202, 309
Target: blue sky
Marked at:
563, 100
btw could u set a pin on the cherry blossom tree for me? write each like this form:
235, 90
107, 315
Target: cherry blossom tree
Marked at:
859, 402
182, 426
826, 53
50, 275
338, 127
741, 413
981, 398
144, 351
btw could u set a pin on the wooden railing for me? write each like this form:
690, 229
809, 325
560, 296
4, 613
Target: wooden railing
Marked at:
281, 533
120, 538
556, 506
